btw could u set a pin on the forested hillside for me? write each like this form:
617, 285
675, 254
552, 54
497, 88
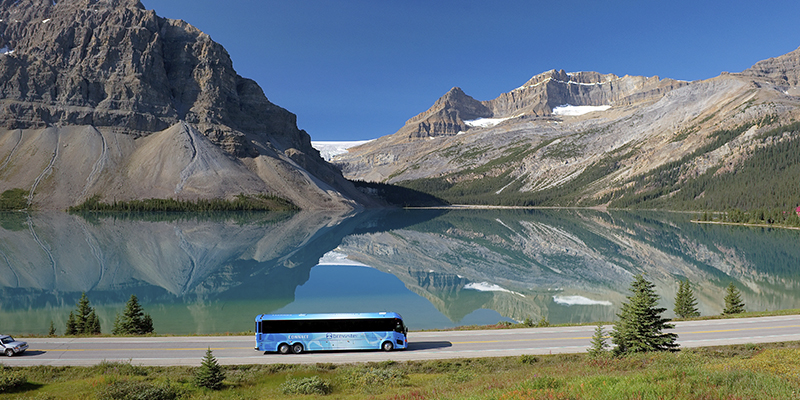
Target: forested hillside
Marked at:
768, 178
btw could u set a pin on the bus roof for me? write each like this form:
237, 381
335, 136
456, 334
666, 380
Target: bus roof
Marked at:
278, 317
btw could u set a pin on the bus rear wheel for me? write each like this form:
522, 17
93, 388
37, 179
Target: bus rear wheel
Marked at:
284, 348
387, 346
297, 348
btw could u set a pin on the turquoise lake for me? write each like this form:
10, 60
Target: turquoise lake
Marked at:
213, 273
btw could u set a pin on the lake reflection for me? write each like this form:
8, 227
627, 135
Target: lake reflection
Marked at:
438, 268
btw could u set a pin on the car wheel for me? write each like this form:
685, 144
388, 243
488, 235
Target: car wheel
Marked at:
9, 352
297, 348
387, 346
283, 348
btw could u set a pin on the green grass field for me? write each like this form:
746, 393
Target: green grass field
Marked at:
769, 371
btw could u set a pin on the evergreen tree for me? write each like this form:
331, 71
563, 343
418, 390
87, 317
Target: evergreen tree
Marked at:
599, 346
733, 301
84, 321
685, 302
640, 322
92, 326
72, 325
209, 375
133, 320
52, 330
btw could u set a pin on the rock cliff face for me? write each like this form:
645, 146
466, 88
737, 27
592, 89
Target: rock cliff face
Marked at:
537, 97
446, 116
546, 91
783, 70
114, 83
610, 131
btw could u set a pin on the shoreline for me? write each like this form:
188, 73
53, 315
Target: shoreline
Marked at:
796, 228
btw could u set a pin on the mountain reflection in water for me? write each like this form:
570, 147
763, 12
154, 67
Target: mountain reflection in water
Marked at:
213, 273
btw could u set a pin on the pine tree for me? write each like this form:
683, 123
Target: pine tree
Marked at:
599, 346
733, 301
52, 330
685, 302
640, 322
84, 321
133, 320
209, 375
92, 326
72, 325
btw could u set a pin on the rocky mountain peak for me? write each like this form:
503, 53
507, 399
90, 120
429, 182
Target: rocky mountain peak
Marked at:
583, 77
113, 63
106, 68
445, 117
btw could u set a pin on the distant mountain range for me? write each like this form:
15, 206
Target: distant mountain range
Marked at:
102, 98
591, 139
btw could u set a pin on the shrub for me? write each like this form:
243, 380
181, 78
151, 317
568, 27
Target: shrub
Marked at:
10, 379
461, 376
369, 378
312, 385
541, 382
528, 359
119, 368
138, 390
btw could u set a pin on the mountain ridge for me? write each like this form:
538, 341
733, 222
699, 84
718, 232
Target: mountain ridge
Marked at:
529, 155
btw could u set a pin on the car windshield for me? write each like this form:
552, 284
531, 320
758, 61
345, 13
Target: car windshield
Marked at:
8, 339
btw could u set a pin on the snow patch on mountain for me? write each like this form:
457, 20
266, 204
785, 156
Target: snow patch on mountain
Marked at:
570, 110
579, 301
489, 287
328, 150
337, 258
488, 122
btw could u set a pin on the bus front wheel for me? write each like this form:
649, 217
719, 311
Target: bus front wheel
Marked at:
283, 348
387, 346
297, 348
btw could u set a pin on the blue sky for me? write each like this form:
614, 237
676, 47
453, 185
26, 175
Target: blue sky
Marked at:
358, 69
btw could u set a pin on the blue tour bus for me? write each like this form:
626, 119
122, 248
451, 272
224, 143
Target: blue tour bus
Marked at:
296, 333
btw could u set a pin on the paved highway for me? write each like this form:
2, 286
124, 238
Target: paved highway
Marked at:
422, 345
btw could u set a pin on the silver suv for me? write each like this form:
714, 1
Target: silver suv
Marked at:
11, 346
